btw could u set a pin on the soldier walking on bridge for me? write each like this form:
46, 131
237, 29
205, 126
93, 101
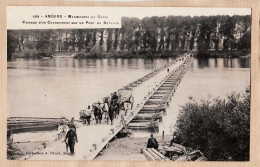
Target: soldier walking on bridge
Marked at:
111, 113
88, 114
114, 98
72, 138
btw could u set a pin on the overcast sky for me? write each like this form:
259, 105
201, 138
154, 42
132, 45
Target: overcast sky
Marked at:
141, 12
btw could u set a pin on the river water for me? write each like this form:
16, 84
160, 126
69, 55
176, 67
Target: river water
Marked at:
63, 86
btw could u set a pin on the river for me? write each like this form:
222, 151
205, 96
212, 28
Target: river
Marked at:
63, 86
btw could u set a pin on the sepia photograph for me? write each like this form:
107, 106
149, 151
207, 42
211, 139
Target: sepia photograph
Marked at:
132, 84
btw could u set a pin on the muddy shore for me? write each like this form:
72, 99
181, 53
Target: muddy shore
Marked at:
128, 148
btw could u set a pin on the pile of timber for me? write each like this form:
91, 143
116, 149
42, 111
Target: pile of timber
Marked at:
32, 124
153, 155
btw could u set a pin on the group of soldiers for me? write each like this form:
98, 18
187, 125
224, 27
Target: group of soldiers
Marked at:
109, 109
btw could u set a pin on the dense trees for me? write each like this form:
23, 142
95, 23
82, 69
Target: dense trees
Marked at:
219, 128
150, 34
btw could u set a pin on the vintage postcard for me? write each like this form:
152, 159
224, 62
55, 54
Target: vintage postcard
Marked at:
128, 83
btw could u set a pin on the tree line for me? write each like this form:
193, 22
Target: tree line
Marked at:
150, 34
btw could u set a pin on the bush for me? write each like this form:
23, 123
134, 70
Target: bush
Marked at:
13, 152
113, 53
30, 45
95, 52
219, 128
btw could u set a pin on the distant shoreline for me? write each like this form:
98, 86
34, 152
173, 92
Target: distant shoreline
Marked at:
224, 54
129, 54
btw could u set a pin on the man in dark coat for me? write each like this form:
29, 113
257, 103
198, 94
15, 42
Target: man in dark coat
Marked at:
152, 143
96, 113
99, 112
72, 138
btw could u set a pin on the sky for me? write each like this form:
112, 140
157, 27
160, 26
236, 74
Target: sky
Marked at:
141, 12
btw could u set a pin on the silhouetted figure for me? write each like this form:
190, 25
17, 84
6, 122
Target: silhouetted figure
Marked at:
111, 113
72, 138
152, 143
114, 98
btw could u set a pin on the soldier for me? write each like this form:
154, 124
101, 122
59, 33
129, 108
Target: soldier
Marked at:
114, 98
105, 110
72, 138
88, 114
152, 143
111, 113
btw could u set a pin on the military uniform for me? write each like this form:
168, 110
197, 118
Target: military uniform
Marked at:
72, 138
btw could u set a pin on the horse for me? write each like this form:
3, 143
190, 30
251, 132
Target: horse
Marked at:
62, 131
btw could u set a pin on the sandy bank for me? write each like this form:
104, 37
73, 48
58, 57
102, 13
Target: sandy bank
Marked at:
127, 149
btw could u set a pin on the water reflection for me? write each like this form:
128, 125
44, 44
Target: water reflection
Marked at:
244, 62
221, 63
202, 63
131, 63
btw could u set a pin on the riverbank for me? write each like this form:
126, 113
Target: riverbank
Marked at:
162, 54
132, 54
128, 148
223, 54
24, 144
122, 54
